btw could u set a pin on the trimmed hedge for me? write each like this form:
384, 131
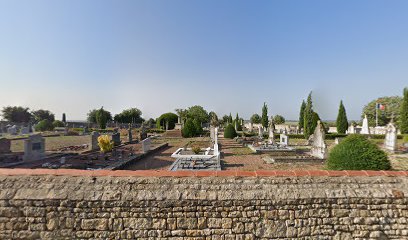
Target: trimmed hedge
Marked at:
356, 152
230, 132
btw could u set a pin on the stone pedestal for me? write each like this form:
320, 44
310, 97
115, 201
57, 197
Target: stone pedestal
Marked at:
34, 148
130, 137
94, 141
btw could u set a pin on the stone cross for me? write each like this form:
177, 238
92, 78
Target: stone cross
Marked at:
271, 131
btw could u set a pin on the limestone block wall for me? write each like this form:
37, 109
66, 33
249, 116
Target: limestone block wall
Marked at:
65, 206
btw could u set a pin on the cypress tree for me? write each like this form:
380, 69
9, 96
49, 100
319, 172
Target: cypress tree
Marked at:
302, 115
342, 122
404, 113
264, 119
64, 120
308, 117
230, 118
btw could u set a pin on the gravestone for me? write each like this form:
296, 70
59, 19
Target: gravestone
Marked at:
65, 131
34, 148
25, 130
319, 148
5, 145
146, 145
85, 130
260, 132
337, 140
251, 127
212, 134
365, 129
351, 129
12, 130
271, 131
390, 142
94, 141
143, 132
130, 137
116, 139
284, 140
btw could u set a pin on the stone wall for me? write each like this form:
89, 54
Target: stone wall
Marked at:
108, 207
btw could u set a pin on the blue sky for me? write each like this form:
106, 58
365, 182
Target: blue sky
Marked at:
228, 56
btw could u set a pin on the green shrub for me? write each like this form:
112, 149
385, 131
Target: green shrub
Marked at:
405, 138
44, 125
189, 130
356, 152
58, 123
230, 132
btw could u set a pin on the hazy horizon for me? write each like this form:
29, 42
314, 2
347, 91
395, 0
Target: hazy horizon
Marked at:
73, 56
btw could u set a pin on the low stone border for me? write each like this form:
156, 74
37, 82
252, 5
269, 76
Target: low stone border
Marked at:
165, 173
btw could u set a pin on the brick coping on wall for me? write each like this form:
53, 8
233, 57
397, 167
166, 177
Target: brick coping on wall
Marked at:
164, 173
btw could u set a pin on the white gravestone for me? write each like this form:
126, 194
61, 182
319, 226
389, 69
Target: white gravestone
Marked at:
146, 145
319, 148
260, 132
34, 148
390, 142
351, 129
365, 129
284, 140
251, 127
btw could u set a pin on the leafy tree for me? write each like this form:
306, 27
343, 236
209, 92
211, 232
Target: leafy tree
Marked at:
132, 115
64, 118
198, 112
255, 118
264, 119
42, 114
58, 123
404, 113
92, 116
198, 128
309, 117
278, 119
169, 119
16, 114
102, 117
301, 123
342, 122
44, 125
150, 122
189, 130
182, 113
392, 107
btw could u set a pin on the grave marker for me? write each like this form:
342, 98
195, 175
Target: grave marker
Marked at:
34, 148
